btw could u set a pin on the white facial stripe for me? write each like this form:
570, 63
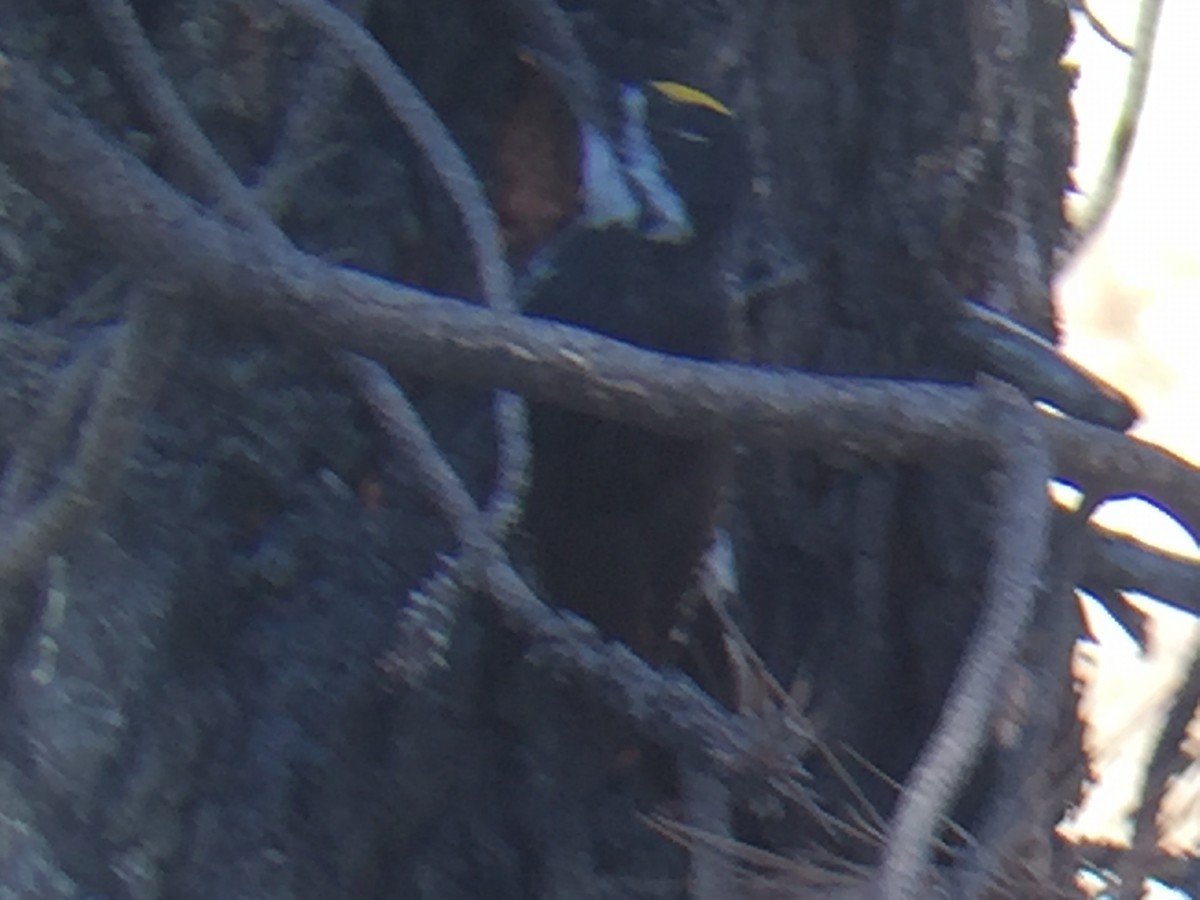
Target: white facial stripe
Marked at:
665, 209
606, 194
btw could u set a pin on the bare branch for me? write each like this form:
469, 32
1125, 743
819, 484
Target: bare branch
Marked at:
479, 218
1022, 529
144, 221
126, 389
1099, 27
426, 621
1117, 562
299, 145
1167, 761
428, 132
34, 458
1104, 195
171, 117
404, 426
189, 141
666, 707
559, 53
1038, 690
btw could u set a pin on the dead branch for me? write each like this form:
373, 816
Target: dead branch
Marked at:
665, 706
1039, 683
150, 225
187, 139
1167, 762
428, 133
1117, 562
304, 125
1099, 27
1104, 195
126, 389
1022, 529
478, 215
102, 188
261, 274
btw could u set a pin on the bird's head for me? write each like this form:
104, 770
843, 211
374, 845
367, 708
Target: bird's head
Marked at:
675, 166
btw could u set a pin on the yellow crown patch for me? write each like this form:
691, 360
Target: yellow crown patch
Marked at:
685, 93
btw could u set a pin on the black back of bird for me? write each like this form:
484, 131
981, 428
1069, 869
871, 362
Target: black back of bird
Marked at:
622, 516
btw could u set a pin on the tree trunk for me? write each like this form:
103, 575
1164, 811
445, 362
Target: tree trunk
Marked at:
197, 694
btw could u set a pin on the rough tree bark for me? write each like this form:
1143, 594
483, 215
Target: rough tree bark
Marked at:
204, 691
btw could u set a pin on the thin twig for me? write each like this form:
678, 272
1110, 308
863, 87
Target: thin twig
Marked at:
1081, 6
1022, 526
188, 140
428, 133
1117, 562
299, 145
171, 117
34, 458
479, 218
1104, 195
1167, 762
126, 389
1029, 805
561, 56
404, 426
427, 620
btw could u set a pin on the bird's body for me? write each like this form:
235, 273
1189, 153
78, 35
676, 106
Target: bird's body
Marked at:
621, 516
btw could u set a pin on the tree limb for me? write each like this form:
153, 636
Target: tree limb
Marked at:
1021, 542
113, 196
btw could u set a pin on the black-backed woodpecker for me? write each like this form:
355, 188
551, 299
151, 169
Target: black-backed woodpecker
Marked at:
620, 516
